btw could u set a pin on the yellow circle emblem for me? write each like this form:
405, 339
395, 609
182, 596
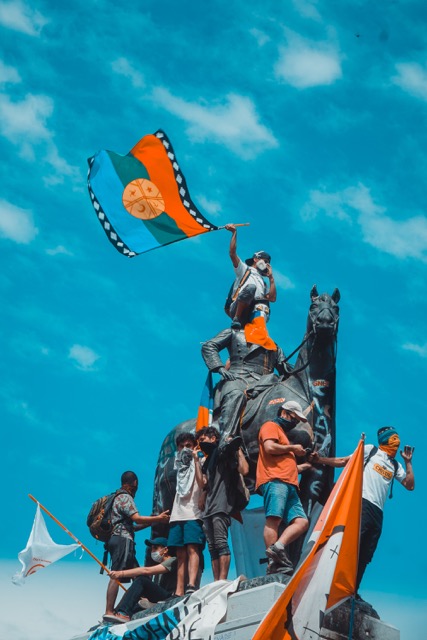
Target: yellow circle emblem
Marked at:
143, 199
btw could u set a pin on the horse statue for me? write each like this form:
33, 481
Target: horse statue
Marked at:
311, 382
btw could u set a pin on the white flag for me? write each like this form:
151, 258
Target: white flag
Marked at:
40, 551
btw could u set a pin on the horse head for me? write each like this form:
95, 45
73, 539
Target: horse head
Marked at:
323, 315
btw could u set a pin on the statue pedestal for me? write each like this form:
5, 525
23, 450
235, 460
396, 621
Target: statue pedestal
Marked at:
247, 607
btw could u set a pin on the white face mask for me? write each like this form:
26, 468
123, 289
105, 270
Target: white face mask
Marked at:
261, 265
156, 556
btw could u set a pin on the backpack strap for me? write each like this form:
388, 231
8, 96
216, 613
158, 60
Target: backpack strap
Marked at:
245, 276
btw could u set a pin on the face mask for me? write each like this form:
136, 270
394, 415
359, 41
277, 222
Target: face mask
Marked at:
156, 556
261, 265
286, 425
208, 447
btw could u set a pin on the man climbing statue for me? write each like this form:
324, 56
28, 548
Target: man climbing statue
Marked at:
249, 286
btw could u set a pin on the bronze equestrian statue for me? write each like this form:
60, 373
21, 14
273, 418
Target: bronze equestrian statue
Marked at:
311, 382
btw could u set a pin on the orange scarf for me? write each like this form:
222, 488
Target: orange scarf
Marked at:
392, 446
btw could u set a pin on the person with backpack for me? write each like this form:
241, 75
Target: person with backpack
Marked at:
125, 521
249, 285
380, 470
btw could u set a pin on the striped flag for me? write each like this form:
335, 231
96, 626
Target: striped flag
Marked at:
327, 576
142, 199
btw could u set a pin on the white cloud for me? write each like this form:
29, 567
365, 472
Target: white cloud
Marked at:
420, 349
25, 123
307, 8
305, 63
26, 118
234, 123
261, 37
20, 17
399, 238
8, 74
84, 357
59, 250
412, 77
123, 67
283, 281
16, 224
209, 206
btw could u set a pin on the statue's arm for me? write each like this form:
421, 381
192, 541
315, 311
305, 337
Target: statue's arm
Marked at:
211, 349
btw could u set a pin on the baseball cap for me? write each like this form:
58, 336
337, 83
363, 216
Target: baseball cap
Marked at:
296, 408
161, 542
259, 255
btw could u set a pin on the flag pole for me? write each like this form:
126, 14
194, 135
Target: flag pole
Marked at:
240, 224
74, 538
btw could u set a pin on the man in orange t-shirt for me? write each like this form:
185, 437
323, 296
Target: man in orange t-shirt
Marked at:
277, 481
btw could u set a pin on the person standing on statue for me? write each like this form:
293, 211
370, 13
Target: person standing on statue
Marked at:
251, 370
277, 481
249, 286
380, 470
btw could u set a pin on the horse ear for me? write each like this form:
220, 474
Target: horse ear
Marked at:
314, 293
336, 296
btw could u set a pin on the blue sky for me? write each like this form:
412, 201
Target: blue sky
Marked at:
306, 119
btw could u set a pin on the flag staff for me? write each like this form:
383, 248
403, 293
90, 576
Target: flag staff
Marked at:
74, 538
240, 224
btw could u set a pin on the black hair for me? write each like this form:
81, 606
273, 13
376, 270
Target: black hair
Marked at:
211, 432
182, 437
129, 477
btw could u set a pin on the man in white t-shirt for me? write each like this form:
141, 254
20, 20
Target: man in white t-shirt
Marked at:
380, 469
249, 286
186, 534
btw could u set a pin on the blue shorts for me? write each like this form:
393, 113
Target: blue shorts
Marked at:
282, 501
184, 532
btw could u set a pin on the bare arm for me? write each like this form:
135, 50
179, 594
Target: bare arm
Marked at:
242, 463
272, 294
409, 481
198, 470
146, 521
273, 448
233, 245
138, 571
329, 462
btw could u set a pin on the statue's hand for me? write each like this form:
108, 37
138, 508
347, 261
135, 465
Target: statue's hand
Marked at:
225, 374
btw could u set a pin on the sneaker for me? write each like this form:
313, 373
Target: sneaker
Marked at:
145, 603
190, 589
280, 556
117, 618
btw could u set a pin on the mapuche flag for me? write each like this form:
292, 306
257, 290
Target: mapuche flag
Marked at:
327, 576
142, 199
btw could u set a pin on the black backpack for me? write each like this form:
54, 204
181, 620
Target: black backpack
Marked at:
99, 516
393, 461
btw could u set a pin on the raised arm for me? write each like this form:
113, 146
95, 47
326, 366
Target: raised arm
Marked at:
272, 294
233, 245
409, 481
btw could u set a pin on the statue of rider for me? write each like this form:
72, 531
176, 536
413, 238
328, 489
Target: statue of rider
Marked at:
249, 371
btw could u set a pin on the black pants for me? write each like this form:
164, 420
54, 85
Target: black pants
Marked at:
142, 587
370, 532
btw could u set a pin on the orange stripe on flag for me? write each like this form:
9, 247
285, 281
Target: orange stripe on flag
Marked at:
151, 152
327, 576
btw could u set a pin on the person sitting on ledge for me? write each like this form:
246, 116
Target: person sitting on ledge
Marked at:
249, 286
144, 586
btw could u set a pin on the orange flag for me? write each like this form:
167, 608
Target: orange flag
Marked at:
327, 576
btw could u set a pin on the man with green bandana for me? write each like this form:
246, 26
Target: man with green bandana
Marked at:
380, 469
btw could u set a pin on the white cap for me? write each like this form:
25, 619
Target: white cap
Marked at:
296, 408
